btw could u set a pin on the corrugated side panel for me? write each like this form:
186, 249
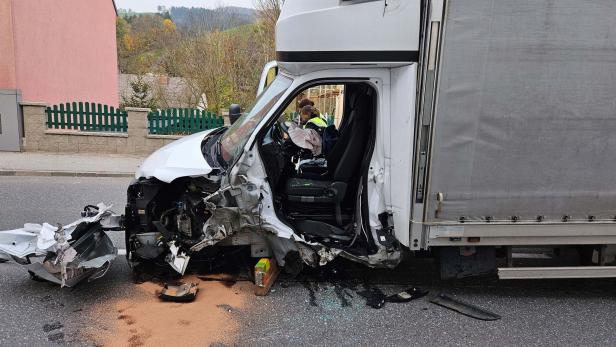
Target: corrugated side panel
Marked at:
525, 121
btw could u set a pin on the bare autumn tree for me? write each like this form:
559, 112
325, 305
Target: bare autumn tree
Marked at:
225, 65
268, 12
201, 59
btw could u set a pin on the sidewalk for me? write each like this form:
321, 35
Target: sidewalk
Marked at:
53, 164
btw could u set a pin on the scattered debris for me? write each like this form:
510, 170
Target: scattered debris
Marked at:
407, 295
464, 308
375, 297
46, 298
57, 337
52, 326
178, 260
68, 254
225, 307
311, 293
186, 292
342, 294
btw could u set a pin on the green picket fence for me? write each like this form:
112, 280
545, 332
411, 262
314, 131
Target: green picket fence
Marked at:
87, 117
178, 121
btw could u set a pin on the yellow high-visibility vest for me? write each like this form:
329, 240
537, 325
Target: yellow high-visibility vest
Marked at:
318, 121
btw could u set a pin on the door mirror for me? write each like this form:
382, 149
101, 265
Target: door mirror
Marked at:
235, 111
269, 73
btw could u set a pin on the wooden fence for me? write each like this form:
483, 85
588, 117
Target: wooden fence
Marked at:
86, 117
178, 121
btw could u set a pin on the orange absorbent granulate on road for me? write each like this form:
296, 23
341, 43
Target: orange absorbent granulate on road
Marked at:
147, 321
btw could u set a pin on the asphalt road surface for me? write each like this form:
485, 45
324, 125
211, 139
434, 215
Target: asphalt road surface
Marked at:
319, 307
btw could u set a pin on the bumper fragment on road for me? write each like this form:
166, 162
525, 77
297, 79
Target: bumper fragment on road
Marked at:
65, 255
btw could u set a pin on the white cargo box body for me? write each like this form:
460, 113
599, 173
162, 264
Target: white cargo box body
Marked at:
525, 113
339, 31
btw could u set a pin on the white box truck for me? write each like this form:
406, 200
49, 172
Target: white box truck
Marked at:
471, 130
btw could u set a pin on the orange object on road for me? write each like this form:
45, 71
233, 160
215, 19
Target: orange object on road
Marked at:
266, 273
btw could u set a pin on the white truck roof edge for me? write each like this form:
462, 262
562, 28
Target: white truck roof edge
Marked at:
334, 31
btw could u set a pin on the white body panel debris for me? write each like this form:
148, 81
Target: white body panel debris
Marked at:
67, 254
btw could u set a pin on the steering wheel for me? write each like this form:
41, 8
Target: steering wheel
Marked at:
280, 133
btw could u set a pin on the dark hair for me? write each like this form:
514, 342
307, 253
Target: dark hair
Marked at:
305, 102
307, 109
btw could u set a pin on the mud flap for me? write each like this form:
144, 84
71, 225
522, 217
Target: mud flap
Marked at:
464, 308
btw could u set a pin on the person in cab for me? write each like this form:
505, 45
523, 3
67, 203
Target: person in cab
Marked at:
310, 118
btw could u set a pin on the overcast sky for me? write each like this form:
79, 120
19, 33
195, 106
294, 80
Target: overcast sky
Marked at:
152, 5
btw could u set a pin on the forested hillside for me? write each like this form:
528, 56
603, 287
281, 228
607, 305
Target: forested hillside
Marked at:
196, 20
219, 52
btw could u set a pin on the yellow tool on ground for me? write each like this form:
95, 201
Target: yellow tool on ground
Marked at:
266, 273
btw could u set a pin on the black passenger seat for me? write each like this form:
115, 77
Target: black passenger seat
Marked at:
343, 162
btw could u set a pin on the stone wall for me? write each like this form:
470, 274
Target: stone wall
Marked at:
136, 141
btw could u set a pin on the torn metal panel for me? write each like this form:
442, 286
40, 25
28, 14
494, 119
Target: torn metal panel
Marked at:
326, 255
178, 260
382, 258
186, 292
66, 254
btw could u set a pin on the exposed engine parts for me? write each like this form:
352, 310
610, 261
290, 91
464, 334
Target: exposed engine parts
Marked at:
166, 217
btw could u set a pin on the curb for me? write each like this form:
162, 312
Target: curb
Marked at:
64, 173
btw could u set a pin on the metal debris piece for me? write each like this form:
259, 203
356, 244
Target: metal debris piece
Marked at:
375, 298
407, 295
464, 308
178, 260
68, 254
186, 292
52, 326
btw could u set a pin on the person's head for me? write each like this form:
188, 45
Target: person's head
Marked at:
306, 113
305, 102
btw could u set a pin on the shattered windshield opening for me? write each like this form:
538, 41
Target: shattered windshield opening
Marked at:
234, 139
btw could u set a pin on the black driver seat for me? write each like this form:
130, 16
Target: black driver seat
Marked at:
343, 162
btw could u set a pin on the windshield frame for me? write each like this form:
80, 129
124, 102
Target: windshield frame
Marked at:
231, 144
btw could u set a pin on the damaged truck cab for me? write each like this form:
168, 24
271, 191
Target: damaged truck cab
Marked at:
242, 185
473, 130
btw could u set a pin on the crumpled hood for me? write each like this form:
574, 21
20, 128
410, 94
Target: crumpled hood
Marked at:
181, 158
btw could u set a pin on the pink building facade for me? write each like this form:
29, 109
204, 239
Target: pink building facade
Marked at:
57, 51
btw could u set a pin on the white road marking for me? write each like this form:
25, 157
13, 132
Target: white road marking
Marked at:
121, 251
